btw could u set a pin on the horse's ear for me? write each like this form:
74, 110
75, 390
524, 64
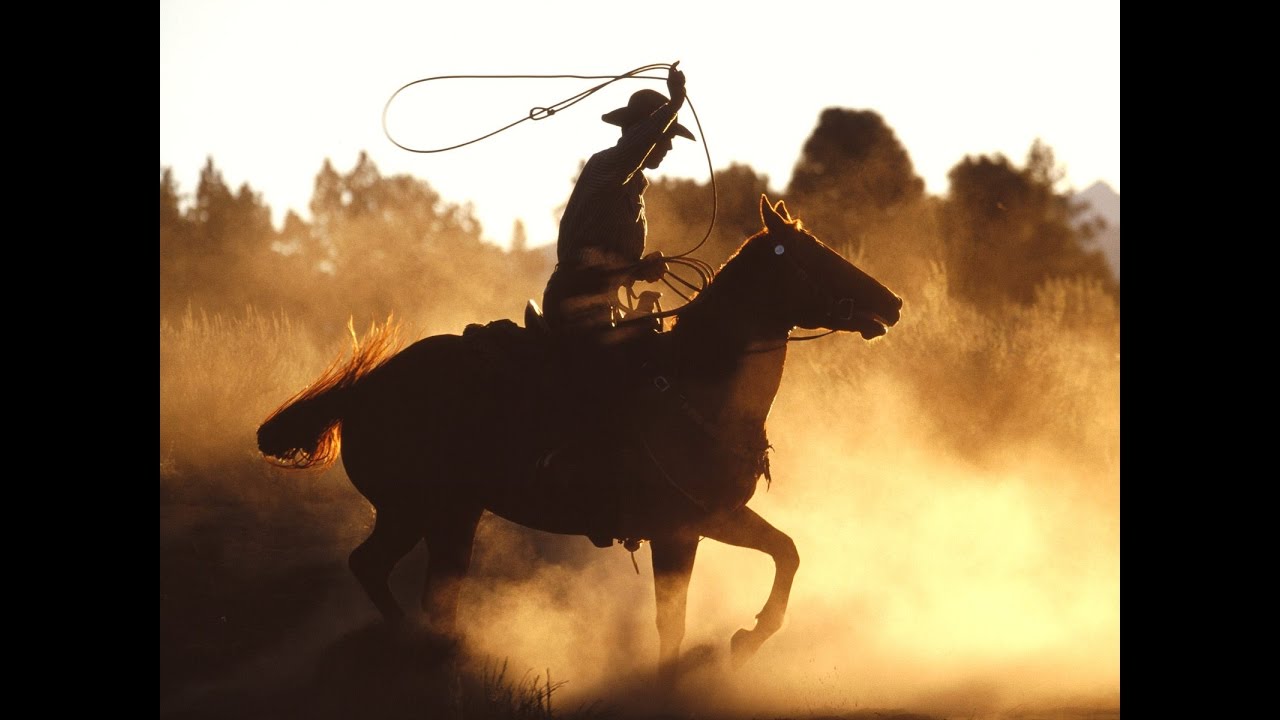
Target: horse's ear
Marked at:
773, 222
782, 211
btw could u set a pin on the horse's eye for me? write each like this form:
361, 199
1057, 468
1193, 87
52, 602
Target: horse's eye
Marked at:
778, 249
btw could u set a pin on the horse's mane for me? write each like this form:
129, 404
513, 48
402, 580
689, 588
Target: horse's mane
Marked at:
286, 442
740, 263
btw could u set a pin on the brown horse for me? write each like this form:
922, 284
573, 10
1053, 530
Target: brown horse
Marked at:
454, 425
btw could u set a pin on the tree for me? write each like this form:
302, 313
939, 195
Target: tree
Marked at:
679, 212
519, 238
1007, 230
212, 210
374, 245
853, 175
171, 220
392, 243
175, 240
204, 251
856, 186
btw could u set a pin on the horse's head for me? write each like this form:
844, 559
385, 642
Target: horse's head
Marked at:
812, 285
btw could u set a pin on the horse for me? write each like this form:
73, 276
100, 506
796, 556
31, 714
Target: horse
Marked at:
452, 426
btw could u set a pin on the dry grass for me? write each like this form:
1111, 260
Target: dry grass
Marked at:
253, 557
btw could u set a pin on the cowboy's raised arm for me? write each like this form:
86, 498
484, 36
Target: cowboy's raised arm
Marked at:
675, 85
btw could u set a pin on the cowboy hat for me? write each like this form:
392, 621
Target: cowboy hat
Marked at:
640, 106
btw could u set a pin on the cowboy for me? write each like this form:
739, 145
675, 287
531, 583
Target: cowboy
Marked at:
603, 229
600, 249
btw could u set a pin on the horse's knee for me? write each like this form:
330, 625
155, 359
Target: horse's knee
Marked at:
365, 563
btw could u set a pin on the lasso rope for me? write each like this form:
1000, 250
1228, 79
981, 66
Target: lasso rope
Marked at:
703, 270
542, 113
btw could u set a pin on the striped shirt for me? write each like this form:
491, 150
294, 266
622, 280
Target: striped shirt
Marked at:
604, 222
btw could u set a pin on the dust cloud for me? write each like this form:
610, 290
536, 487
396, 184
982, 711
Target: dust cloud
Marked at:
952, 488
942, 570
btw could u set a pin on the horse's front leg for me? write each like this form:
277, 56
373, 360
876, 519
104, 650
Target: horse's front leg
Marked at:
744, 528
673, 558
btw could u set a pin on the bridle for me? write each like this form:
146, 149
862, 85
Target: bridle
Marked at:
833, 309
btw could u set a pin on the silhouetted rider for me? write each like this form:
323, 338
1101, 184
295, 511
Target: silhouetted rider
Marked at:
600, 250
603, 229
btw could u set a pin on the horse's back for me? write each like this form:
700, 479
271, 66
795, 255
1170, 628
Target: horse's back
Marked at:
477, 420
451, 407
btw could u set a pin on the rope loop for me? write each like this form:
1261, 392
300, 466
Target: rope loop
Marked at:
542, 113
701, 269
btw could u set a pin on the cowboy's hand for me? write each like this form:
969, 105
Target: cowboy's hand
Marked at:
675, 83
652, 267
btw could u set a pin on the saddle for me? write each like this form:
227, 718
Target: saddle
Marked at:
606, 415
573, 381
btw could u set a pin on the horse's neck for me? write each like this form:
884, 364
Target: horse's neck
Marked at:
748, 392
731, 363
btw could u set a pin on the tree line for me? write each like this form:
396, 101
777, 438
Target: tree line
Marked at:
379, 244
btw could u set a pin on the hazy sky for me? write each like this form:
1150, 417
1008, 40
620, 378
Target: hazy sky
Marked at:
270, 88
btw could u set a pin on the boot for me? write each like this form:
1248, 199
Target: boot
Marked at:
576, 469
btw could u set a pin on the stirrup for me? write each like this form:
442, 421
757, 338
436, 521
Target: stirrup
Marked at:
647, 302
646, 305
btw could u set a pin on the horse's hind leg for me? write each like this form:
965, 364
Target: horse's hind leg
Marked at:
745, 528
392, 538
450, 536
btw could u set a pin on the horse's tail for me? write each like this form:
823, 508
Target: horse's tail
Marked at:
306, 431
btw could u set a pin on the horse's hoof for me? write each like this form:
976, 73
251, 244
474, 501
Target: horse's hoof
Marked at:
742, 646
668, 674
